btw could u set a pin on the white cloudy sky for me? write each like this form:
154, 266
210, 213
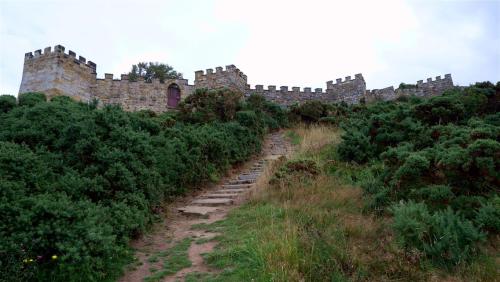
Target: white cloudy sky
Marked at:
279, 42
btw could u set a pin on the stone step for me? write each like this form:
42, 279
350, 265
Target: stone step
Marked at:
197, 210
236, 186
226, 195
229, 191
212, 202
240, 181
244, 177
249, 175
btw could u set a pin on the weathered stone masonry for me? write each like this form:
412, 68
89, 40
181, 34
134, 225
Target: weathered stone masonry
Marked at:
57, 73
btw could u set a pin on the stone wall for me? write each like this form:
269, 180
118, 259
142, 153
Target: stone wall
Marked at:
138, 95
231, 78
349, 90
422, 89
384, 94
57, 73
284, 96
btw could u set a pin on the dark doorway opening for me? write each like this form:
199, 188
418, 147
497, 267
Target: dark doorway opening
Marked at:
174, 95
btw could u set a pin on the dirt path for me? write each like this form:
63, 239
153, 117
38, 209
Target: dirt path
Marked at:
173, 250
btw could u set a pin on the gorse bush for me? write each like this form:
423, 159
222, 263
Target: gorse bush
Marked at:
7, 103
296, 170
444, 236
443, 155
32, 98
314, 111
77, 182
208, 105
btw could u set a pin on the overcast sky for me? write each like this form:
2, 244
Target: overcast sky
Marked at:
293, 43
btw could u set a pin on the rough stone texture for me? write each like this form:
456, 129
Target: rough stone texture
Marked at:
213, 202
56, 73
423, 89
350, 90
221, 195
197, 210
384, 94
229, 191
231, 78
138, 95
236, 186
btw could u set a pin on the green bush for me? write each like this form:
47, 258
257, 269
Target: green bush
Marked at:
296, 170
7, 103
273, 115
488, 215
438, 196
355, 146
31, 98
443, 236
78, 182
310, 111
441, 151
210, 105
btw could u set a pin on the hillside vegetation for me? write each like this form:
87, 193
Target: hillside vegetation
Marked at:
78, 182
405, 190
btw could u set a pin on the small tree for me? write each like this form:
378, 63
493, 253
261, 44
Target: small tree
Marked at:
151, 70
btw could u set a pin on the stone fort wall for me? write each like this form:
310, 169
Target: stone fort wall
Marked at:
59, 73
138, 95
422, 89
349, 90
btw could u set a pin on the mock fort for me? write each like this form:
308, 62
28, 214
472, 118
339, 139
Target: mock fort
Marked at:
55, 72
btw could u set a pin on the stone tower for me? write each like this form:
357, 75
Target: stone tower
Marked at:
231, 78
56, 73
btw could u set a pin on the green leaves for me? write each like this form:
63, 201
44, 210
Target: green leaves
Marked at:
7, 103
30, 99
153, 70
78, 182
443, 236
441, 154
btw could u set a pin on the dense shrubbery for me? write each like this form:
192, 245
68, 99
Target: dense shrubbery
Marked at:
293, 171
317, 111
77, 182
443, 153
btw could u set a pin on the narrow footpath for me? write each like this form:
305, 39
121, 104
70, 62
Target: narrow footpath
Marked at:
156, 254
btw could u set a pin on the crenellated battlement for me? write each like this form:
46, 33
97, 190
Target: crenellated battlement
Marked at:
284, 89
58, 52
349, 90
231, 78
421, 89
139, 94
339, 82
286, 95
124, 78
55, 72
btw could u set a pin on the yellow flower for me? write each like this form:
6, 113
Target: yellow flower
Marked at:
30, 260
54, 257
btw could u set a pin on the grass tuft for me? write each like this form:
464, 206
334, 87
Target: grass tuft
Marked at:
173, 259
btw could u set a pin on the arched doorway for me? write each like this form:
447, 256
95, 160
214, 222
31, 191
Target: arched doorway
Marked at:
174, 95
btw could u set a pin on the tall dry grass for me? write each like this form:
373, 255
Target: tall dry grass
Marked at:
314, 229
314, 137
